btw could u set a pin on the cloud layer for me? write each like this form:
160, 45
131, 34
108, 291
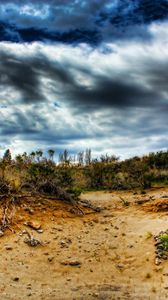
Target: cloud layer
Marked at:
89, 73
87, 21
63, 96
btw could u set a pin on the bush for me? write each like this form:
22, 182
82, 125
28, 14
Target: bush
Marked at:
164, 240
4, 186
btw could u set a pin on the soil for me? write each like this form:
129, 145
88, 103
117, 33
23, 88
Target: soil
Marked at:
106, 255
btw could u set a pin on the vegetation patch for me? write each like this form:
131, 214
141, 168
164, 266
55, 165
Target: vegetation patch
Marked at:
161, 244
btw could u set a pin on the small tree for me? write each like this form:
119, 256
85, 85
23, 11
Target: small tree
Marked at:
33, 155
39, 154
51, 154
5, 161
7, 156
81, 158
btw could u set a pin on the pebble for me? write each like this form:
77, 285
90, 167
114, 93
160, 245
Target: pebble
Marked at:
8, 247
120, 266
29, 210
40, 230
157, 261
50, 259
34, 225
73, 263
1, 233
16, 279
130, 246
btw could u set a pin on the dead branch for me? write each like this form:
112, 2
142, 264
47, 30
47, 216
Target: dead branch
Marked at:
32, 241
87, 204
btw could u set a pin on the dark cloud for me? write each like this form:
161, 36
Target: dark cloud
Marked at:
23, 74
28, 75
118, 93
79, 21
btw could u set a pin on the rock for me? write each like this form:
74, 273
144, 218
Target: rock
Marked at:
116, 228
120, 267
40, 230
8, 247
95, 295
108, 216
29, 210
34, 225
29, 286
33, 242
130, 246
142, 201
158, 243
160, 247
58, 228
1, 233
95, 220
65, 243
73, 263
16, 279
23, 232
106, 229
157, 261
50, 259
90, 224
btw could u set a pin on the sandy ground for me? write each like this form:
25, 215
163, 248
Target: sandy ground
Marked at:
106, 255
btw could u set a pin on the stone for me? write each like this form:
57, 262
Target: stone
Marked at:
95, 295
120, 266
65, 243
108, 216
1, 233
157, 261
34, 225
8, 247
106, 229
40, 230
72, 263
50, 259
130, 246
68, 279
16, 279
29, 210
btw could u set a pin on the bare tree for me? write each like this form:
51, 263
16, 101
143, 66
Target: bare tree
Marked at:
88, 156
80, 158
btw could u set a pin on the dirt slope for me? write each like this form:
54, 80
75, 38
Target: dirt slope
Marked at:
107, 255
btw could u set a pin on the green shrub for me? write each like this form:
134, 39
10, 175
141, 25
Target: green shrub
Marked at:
164, 240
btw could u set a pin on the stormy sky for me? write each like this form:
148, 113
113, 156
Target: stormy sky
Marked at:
84, 74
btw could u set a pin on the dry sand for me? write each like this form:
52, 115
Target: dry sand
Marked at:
106, 255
